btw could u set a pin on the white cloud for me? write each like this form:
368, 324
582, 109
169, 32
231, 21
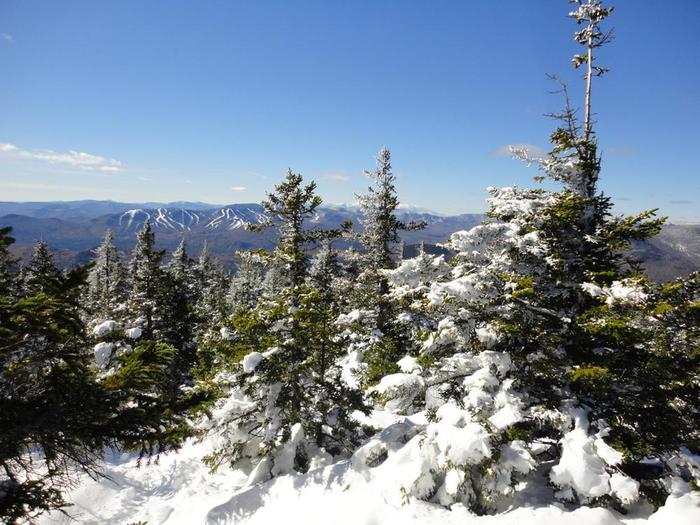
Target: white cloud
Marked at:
531, 149
336, 177
77, 159
238, 188
7, 37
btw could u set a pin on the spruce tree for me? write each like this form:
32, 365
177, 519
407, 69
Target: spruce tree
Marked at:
146, 280
176, 307
547, 291
7, 261
247, 283
107, 284
285, 352
211, 284
57, 415
381, 226
41, 274
386, 341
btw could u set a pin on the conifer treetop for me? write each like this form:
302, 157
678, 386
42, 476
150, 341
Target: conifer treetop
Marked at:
378, 205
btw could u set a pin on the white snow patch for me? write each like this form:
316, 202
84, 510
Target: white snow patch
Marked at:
251, 361
134, 333
103, 351
105, 328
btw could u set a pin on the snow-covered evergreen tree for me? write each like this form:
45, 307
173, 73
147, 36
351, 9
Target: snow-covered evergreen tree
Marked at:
107, 286
247, 283
145, 276
7, 261
284, 354
385, 340
380, 236
211, 283
176, 299
57, 415
521, 351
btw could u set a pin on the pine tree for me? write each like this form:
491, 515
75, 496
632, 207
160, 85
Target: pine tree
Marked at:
285, 352
387, 342
146, 281
41, 274
211, 285
7, 261
176, 306
247, 283
378, 206
106, 281
57, 416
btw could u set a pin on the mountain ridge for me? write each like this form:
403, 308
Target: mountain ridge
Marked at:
73, 229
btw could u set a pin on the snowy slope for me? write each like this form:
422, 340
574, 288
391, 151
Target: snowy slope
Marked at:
179, 490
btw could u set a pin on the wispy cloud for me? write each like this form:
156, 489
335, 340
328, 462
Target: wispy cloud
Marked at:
336, 177
680, 202
7, 37
506, 150
77, 159
238, 188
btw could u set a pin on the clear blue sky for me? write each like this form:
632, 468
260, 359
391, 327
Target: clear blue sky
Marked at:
213, 100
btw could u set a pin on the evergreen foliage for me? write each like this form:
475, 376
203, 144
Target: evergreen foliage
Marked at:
41, 274
210, 284
107, 284
284, 352
57, 415
381, 226
386, 341
146, 280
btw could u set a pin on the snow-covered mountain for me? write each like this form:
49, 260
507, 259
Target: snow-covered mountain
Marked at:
73, 236
186, 220
75, 228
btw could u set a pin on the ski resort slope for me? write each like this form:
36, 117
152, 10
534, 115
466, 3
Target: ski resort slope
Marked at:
179, 489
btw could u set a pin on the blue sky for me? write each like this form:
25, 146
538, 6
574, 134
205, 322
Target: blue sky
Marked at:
214, 100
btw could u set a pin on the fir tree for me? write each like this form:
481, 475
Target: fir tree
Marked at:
7, 261
176, 306
248, 282
287, 208
387, 342
381, 226
211, 285
285, 352
526, 289
57, 416
146, 281
106, 281
41, 274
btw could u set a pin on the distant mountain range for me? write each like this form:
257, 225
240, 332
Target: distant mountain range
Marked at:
74, 228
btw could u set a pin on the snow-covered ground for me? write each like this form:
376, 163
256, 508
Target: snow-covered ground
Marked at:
363, 490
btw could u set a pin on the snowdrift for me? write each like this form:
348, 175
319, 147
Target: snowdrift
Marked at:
363, 490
